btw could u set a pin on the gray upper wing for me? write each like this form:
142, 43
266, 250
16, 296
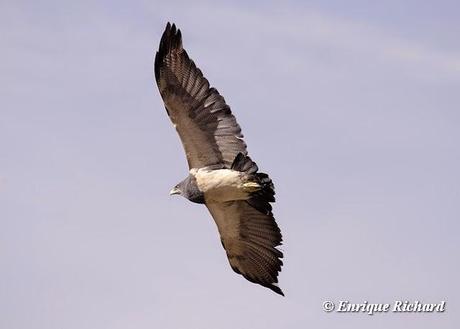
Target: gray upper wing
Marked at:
250, 238
206, 126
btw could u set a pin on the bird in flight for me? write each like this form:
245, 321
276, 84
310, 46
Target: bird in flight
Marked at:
221, 174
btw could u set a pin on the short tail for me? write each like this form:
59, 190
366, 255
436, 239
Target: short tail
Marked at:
261, 198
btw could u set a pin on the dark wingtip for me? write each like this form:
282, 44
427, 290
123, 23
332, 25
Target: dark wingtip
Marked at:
275, 289
171, 40
272, 286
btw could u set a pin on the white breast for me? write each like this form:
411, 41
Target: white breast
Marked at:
220, 185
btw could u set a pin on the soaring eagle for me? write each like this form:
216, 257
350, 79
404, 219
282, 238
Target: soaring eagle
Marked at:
221, 174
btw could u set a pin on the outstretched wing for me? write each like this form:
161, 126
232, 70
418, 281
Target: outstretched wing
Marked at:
206, 126
250, 238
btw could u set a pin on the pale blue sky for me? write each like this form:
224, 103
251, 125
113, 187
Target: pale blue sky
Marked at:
352, 107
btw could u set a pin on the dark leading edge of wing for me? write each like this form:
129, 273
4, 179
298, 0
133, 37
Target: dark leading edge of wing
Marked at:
207, 128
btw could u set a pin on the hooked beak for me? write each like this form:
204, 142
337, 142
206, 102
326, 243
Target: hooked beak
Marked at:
175, 190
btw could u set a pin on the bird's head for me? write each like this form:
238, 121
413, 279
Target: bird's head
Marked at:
176, 190
189, 190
